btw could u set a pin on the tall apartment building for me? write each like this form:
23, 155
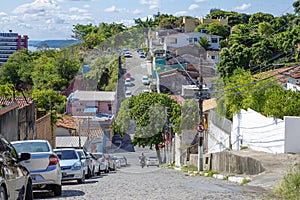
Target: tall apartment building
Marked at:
10, 43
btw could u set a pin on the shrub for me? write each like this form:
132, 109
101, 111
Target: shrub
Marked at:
289, 187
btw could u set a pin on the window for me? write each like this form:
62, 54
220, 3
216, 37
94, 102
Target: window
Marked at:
213, 57
173, 41
109, 107
214, 40
191, 40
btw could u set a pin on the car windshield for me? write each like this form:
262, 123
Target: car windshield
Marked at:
31, 147
97, 155
66, 154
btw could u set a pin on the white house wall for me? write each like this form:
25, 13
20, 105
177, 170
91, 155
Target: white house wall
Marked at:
257, 132
182, 39
292, 134
218, 133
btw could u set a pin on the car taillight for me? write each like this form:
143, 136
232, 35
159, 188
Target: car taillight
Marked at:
53, 159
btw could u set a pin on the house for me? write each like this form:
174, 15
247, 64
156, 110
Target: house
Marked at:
20, 120
91, 103
76, 132
190, 39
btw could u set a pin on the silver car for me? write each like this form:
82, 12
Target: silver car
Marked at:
85, 162
43, 165
71, 165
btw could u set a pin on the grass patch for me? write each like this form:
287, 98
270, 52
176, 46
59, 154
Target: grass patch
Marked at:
188, 169
245, 181
289, 187
227, 177
210, 173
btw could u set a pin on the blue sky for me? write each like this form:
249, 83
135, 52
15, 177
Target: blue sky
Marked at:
54, 19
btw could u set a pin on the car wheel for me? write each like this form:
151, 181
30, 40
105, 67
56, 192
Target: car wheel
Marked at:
29, 191
2, 193
99, 172
93, 172
82, 180
57, 190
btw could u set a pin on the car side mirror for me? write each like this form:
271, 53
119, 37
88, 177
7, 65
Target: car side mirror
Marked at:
25, 156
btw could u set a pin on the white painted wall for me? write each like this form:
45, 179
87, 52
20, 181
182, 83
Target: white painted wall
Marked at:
185, 39
217, 139
258, 132
292, 134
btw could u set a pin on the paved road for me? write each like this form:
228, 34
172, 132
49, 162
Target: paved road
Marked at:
134, 182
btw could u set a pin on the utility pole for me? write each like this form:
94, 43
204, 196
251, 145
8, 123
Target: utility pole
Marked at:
200, 127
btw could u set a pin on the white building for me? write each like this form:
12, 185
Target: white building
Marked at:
190, 39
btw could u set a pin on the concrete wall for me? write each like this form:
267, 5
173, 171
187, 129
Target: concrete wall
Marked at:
9, 118
258, 132
292, 136
228, 162
43, 130
218, 133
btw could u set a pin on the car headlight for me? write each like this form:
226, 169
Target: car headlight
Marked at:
77, 166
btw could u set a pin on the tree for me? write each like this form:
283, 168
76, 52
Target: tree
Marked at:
203, 42
259, 17
238, 56
189, 114
265, 29
151, 113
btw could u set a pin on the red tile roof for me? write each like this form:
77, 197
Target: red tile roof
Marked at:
19, 100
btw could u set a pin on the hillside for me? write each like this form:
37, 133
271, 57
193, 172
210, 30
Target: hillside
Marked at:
53, 43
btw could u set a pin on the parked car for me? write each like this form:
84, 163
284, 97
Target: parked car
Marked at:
15, 178
152, 161
128, 94
123, 160
43, 165
104, 165
142, 54
145, 80
127, 54
85, 159
116, 161
71, 165
95, 163
128, 82
111, 163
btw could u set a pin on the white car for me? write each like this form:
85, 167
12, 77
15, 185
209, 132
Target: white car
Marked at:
128, 81
71, 165
146, 90
128, 94
152, 161
145, 80
43, 165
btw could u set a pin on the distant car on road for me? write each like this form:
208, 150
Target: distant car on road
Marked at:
104, 165
15, 178
145, 80
85, 159
123, 160
128, 94
43, 165
152, 161
127, 82
71, 165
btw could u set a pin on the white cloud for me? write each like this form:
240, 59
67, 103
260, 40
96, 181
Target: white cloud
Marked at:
111, 9
193, 7
153, 4
200, 1
137, 12
3, 14
36, 6
243, 7
74, 9
180, 13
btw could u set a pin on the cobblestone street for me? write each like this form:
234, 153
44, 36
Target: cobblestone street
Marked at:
134, 182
